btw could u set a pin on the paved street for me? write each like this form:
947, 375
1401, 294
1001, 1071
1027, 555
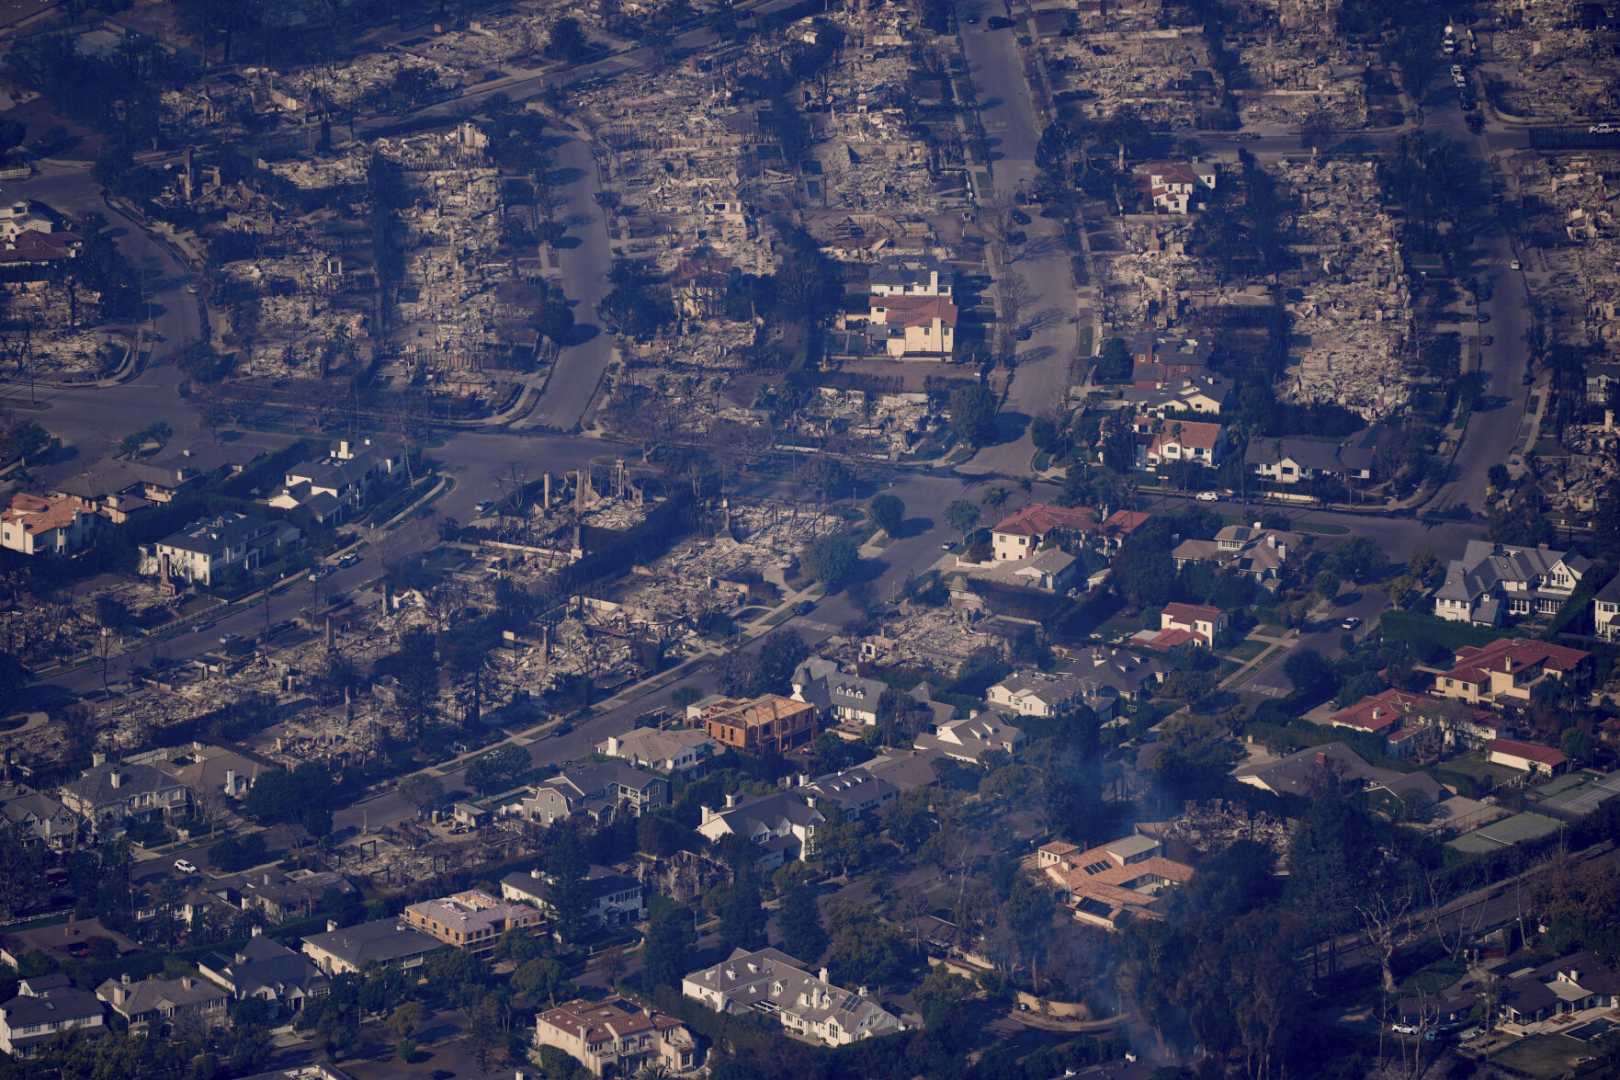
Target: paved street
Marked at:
1041, 378
584, 278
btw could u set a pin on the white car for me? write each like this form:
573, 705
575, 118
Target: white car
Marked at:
185, 866
1404, 1029
1515, 265
1208, 496
1456, 71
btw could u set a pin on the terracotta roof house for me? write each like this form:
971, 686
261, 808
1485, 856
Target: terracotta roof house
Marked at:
1020, 535
1204, 623
1120, 879
1186, 440
1393, 711
616, 1037
33, 525
1511, 671
1527, 757
916, 325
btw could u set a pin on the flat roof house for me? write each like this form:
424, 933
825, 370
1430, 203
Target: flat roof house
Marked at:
773, 983
616, 1037
768, 724
472, 921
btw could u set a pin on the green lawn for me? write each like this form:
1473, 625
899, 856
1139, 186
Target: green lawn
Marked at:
1480, 769
1434, 978
1245, 650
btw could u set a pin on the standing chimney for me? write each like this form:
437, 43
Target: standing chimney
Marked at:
331, 634
545, 499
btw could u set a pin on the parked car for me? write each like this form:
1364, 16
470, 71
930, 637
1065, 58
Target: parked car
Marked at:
1404, 1029
1020, 217
348, 560
185, 866
1209, 496
1515, 265
1350, 622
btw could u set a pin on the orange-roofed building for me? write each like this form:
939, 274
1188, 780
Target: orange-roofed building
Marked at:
1511, 671
1020, 535
1186, 440
1122, 878
33, 525
616, 1037
917, 325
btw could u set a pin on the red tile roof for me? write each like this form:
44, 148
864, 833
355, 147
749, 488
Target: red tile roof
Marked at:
1192, 613
39, 515
34, 246
916, 310
1165, 640
1038, 519
1530, 751
1474, 660
1122, 523
1192, 433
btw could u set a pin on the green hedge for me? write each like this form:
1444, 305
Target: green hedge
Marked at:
1417, 629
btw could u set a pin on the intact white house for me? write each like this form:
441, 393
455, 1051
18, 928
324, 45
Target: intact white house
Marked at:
1492, 583
770, 981
202, 552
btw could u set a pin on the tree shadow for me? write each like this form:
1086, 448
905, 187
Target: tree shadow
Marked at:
913, 527
579, 334
566, 243
564, 176
1009, 428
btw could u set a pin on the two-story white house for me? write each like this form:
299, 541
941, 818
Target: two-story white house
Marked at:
1606, 611
1493, 583
33, 525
